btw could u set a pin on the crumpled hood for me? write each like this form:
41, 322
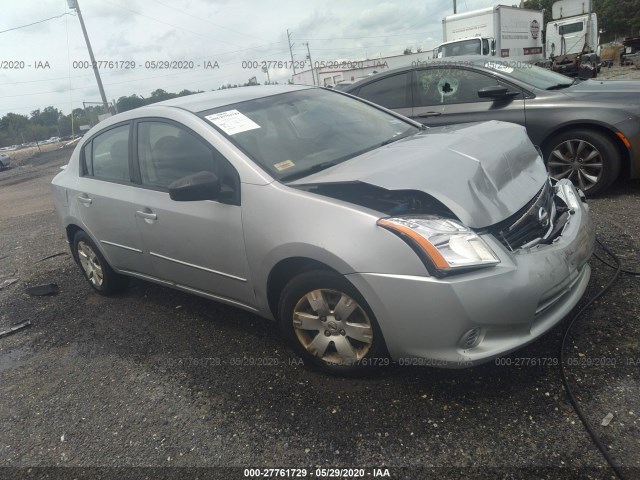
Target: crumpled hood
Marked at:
483, 172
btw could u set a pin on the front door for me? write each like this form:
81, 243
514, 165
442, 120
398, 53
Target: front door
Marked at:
194, 244
445, 95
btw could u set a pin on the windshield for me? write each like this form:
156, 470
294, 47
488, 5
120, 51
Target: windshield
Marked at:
530, 74
463, 47
294, 134
343, 85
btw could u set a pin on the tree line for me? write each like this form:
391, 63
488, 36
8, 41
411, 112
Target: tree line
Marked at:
41, 124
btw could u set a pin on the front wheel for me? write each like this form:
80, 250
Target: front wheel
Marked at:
330, 325
586, 157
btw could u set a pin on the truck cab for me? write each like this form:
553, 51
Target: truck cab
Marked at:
573, 35
467, 46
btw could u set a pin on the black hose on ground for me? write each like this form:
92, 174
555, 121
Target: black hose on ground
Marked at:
565, 381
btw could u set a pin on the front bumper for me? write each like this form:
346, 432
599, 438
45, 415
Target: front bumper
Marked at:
508, 305
630, 128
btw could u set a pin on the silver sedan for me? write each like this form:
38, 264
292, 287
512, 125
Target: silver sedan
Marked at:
367, 237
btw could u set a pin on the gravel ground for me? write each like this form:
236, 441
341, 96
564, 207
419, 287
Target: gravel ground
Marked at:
616, 72
155, 377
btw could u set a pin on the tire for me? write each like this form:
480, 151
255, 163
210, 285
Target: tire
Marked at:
349, 346
95, 268
586, 157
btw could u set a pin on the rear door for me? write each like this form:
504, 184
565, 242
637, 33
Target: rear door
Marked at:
445, 95
195, 244
103, 197
393, 92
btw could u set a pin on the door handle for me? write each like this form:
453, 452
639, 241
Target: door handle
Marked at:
84, 199
429, 114
147, 215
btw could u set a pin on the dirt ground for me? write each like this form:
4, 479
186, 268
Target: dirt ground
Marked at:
616, 72
156, 378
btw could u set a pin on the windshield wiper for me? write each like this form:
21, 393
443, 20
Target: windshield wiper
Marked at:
395, 139
559, 86
313, 169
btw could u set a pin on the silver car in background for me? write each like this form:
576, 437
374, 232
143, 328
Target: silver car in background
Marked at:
5, 161
366, 236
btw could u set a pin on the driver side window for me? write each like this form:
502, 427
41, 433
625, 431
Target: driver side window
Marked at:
446, 86
168, 152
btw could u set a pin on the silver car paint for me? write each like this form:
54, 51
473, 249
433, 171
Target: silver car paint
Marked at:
481, 171
503, 300
279, 222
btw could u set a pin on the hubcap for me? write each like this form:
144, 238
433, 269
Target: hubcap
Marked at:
332, 326
90, 264
577, 160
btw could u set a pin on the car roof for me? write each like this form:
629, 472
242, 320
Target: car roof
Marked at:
466, 60
200, 102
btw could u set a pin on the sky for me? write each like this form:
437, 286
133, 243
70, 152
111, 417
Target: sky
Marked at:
218, 41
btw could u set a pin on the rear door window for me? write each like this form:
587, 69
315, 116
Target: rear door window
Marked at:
390, 92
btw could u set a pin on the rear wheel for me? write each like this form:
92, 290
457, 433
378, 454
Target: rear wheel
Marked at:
330, 325
586, 157
95, 268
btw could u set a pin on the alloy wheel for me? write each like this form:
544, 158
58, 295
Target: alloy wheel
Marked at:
332, 326
577, 160
90, 264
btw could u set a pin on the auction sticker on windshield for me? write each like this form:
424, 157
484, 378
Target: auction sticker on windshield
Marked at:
232, 122
499, 67
284, 165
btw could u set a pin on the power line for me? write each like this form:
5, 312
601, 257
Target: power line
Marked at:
140, 79
169, 24
208, 21
35, 23
377, 36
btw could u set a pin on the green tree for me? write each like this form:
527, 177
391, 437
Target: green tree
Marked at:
14, 128
159, 95
618, 18
541, 5
129, 103
185, 92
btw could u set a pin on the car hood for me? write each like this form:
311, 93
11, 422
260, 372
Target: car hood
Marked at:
483, 172
605, 86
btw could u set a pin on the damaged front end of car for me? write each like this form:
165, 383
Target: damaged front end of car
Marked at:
505, 248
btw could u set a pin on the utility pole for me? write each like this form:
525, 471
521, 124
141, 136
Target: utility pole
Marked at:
266, 70
455, 7
293, 65
74, 4
313, 75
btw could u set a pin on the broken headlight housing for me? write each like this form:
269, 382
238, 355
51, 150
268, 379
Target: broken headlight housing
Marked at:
444, 245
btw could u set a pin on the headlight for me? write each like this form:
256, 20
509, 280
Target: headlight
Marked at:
446, 245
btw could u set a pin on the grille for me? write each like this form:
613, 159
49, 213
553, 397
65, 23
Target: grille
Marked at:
531, 224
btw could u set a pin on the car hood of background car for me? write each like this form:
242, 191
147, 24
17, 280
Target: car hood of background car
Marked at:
483, 172
605, 86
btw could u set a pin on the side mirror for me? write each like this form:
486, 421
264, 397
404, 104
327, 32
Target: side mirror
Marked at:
198, 186
496, 92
